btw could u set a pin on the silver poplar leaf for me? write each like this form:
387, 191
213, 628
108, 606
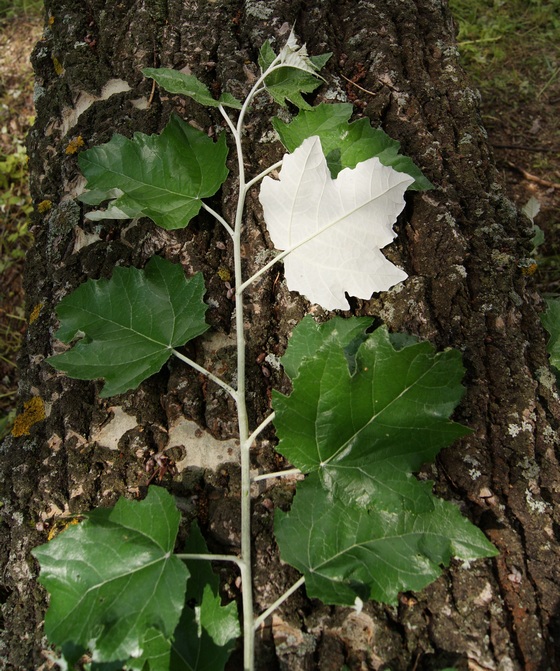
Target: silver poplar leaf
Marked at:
188, 85
346, 552
129, 324
332, 230
116, 587
367, 413
551, 322
164, 177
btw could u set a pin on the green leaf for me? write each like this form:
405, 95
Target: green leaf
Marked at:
286, 83
188, 85
130, 324
309, 336
163, 177
346, 553
156, 653
551, 322
114, 582
219, 621
207, 631
347, 144
369, 423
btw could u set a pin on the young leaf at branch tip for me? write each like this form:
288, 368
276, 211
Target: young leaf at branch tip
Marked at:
116, 587
347, 144
131, 323
207, 631
334, 229
295, 74
163, 177
346, 552
366, 414
190, 86
295, 55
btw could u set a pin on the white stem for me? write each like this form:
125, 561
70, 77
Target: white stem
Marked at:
230, 390
262, 617
277, 474
240, 397
242, 420
219, 218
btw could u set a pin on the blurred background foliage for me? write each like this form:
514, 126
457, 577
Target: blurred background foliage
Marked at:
20, 28
10, 9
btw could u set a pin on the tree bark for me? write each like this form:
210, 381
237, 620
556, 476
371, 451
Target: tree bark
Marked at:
463, 245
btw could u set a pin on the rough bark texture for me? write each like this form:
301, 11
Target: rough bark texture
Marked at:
462, 244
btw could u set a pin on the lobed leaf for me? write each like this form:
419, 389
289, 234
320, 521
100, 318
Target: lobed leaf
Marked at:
188, 85
332, 230
207, 631
130, 324
163, 177
347, 144
551, 322
116, 588
366, 420
365, 412
346, 552
309, 336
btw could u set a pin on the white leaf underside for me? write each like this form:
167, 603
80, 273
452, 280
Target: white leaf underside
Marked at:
295, 56
334, 229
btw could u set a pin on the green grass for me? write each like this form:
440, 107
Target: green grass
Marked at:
15, 205
510, 44
511, 50
12, 8
18, 30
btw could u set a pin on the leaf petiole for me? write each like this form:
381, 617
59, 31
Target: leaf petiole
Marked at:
259, 429
218, 218
277, 474
209, 557
279, 601
263, 270
262, 174
185, 359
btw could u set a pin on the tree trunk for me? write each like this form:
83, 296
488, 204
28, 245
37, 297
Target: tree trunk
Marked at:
462, 244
